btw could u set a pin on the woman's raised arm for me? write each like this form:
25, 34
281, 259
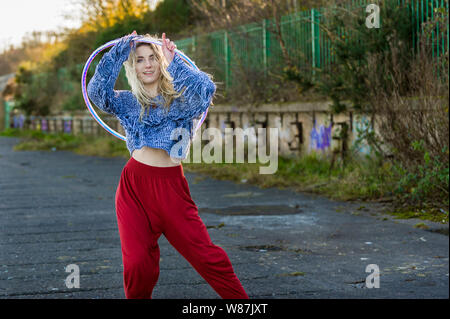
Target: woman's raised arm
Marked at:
101, 86
198, 89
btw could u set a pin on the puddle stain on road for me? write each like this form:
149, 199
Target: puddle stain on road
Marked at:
254, 210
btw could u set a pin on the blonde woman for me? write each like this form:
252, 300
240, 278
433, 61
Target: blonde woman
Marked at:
153, 196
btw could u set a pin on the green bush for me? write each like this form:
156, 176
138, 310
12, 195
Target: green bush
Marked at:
429, 182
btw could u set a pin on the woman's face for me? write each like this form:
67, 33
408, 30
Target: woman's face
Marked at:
147, 66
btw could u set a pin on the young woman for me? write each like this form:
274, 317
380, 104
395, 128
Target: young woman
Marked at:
153, 196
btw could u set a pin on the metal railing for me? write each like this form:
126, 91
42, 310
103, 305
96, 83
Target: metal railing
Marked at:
253, 44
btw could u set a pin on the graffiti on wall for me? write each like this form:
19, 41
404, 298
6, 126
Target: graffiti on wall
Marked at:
320, 138
360, 128
44, 126
18, 121
67, 126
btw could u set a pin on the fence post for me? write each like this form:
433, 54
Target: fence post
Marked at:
447, 31
227, 60
264, 34
315, 44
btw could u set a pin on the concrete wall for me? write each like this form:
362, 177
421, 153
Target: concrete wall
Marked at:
303, 127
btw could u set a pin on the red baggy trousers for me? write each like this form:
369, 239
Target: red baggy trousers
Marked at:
151, 201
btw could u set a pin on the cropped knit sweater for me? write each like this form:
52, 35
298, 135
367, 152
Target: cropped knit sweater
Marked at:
160, 128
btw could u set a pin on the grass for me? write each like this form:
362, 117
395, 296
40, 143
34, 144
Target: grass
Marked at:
310, 173
432, 214
360, 179
81, 144
421, 226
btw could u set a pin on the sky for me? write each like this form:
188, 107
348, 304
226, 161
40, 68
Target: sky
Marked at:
17, 17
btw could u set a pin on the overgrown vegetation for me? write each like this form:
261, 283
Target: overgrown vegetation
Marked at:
401, 86
250, 83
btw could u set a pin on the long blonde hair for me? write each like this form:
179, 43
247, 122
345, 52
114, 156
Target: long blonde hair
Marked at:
165, 86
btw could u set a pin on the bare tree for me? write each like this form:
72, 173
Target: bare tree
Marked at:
99, 14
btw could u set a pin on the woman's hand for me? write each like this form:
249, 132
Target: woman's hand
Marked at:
132, 35
123, 47
168, 48
129, 38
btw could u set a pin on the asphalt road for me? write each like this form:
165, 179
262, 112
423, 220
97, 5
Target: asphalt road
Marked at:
57, 209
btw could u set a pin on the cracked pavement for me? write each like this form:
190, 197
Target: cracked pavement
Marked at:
57, 208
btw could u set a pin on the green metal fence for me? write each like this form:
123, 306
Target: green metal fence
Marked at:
423, 11
254, 47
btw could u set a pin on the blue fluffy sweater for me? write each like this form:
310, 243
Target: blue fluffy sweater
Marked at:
160, 128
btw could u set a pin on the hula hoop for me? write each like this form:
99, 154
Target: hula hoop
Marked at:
84, 90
